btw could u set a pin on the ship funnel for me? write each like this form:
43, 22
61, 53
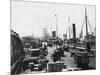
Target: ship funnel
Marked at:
74, 33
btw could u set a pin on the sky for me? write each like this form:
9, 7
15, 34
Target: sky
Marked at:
29, 18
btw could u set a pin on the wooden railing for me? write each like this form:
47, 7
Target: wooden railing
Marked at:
16, 67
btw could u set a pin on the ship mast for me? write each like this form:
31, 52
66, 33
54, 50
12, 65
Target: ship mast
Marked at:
56, 25
69, 32
86, 22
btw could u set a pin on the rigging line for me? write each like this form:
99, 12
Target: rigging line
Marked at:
82, 25
89, 25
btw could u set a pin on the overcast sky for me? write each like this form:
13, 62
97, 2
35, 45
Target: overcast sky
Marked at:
31, 17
